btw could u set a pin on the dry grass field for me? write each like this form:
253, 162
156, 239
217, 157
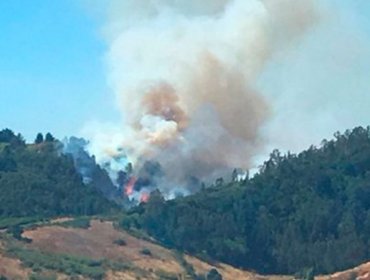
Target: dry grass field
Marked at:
98, 242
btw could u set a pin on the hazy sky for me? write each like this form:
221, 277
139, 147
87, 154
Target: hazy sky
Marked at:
53, 78
322, 84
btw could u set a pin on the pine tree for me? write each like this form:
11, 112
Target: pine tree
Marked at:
39, 138
49, 137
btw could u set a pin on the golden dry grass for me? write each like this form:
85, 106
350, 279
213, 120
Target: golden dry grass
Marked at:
97, 242
11, 268
361, 272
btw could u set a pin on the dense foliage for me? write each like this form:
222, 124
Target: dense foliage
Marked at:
305, 211
90, 171
36, 180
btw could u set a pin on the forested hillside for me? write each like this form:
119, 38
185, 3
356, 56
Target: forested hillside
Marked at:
37, 180
310, 210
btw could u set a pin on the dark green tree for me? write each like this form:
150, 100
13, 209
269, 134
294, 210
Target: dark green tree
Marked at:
39, 138
310, 209
42, 182
6, 135
213, 274
49, 137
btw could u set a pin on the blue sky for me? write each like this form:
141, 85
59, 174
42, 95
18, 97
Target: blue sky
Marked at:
53, 78
52, 74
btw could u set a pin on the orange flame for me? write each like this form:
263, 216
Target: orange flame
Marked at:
129, 188
144, 198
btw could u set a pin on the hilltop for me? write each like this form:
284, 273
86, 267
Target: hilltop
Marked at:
306, 211
68, 248
303, 214
37, 180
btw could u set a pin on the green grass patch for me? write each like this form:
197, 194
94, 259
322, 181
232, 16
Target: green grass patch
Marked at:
37, 276
81, 222
23, 221
69, 265
166, 275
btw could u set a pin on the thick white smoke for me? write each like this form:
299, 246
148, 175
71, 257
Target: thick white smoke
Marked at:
184, 73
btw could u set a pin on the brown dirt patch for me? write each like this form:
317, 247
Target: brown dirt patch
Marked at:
97, 243
11, 268
361, 272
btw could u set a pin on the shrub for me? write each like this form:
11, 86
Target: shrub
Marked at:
305, 274
16, 232
83, 223
146, 252
213, 274
42, 277
120, 242
166, 275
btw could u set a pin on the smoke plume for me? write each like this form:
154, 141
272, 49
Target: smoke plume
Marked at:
184, 73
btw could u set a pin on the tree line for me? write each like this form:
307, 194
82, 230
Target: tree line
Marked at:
37, 180
306, 211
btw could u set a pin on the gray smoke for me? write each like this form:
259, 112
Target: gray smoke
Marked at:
92, 174
184, 73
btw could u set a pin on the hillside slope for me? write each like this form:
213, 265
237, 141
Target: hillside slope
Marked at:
36, 180
69, 249
99, 252
310, 210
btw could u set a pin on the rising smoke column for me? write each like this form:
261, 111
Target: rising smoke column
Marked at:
184, 74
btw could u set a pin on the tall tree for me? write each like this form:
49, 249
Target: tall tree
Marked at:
49, 137
39, 138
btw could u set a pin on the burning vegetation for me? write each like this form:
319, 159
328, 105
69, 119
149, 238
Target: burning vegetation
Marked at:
185, 74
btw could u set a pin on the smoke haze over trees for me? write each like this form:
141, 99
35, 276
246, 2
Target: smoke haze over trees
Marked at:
304, 212
310, 210
184, 74
36, 180
180, 120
